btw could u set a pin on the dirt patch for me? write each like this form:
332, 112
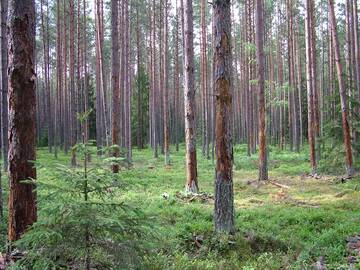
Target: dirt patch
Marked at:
264, 243
353, 249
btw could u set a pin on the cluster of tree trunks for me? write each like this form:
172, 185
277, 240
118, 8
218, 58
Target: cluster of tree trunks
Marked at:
231, 97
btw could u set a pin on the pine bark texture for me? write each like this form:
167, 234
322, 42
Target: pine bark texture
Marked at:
166, 89
224, 194
189, 99
342, 92
22, 116
4, 84
310, 88
263, 172
72, 107
204, 80
177, 83
115, 69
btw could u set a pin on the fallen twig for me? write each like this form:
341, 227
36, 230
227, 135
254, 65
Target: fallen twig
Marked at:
279, 185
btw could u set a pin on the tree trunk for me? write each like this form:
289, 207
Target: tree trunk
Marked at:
57, 116
140, 126
299, 81
45, 39
315, 104
204, 80
115, 69
154, 88
177, 83
263, 173
310, 89
4, 84
85, 77
98, 106
356, 44
166, 88
342, 92
22, 116
72, 107
65, 96
79, 98
224, 194
189, 100
127, 82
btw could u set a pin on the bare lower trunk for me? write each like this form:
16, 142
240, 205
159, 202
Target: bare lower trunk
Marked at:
166, 89
224, 194
115, 69
177, 84
263, 173
189, 100
204, 81
4, 84
154, 86
310, 89
22, 116
72, 109
342, 92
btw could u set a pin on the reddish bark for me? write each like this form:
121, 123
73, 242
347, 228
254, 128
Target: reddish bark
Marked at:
224, 194
22, 116
310, 88
342, 92
115, 69
263, 173
4, 84
189, 100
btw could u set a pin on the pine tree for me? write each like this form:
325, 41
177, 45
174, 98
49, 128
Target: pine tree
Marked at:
22, 116
189, 100
224, 193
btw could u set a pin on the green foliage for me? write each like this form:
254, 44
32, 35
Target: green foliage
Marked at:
250, 47
82, 222
289, 232
141, 84
333, 152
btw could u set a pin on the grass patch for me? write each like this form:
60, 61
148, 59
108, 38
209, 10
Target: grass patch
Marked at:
277, 228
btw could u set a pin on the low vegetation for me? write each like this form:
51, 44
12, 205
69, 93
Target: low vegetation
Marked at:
289, 222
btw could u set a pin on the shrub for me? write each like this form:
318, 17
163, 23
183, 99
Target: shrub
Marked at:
82, 224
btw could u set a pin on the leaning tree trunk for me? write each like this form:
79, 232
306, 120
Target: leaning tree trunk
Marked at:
22, 116
224, 194
189, 99
115, 69
342, 91
4, 84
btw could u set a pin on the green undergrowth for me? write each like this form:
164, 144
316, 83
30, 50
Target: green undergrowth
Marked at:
277, 228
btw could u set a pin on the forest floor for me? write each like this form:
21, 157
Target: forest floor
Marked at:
291, 222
